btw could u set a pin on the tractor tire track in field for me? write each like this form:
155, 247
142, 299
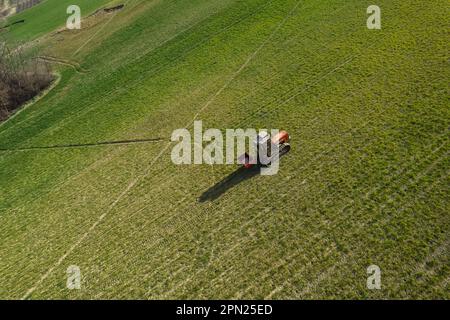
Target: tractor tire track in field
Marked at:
115, 12
86, 145
70, 63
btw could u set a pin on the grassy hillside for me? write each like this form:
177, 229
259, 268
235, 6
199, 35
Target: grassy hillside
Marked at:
46, 17
366, 182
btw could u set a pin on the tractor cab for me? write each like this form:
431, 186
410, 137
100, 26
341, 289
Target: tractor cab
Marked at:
264, 145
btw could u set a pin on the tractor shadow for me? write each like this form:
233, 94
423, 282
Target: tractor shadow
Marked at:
229, 182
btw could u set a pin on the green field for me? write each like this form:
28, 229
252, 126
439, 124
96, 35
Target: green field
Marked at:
45, 18
367, 180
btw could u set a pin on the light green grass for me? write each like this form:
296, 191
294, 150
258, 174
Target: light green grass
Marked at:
366, 182
45, 17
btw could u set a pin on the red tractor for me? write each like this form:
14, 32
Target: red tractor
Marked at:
265, 144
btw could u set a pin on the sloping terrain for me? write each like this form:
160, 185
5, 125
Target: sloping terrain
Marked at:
44, 18
365, 183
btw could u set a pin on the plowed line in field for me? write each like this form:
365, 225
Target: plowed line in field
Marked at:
133, 183
99, 30
75, 65
87, 145
246, 63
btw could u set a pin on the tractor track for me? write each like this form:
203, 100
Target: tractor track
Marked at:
75, 65
85, 145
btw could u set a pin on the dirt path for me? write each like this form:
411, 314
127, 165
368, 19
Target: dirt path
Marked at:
64, 62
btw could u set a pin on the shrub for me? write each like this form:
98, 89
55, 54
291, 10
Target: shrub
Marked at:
21, 79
